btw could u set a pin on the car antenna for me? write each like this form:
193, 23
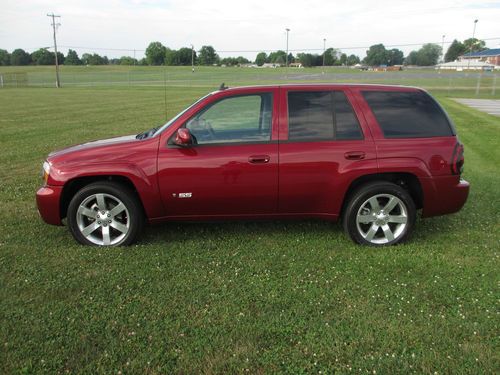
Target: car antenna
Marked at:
165, 93
223, 87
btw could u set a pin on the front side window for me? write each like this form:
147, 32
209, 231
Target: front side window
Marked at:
321, 115
408, 114
238, 119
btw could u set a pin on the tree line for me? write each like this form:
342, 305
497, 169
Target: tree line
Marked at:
158, 54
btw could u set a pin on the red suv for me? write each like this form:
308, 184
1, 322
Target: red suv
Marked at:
370, 155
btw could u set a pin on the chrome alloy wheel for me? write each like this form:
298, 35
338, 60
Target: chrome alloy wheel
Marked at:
382, 219
103, 219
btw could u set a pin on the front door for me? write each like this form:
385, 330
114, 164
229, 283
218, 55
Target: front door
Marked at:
232, 169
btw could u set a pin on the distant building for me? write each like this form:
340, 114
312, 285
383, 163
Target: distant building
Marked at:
385, 68
490, 56
466, 65
270, 65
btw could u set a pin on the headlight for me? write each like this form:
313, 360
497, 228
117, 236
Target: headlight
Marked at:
45, 171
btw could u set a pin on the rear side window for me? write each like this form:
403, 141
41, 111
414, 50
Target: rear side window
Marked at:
321, 115
408, 114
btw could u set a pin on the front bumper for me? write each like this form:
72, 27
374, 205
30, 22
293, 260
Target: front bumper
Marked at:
48, 200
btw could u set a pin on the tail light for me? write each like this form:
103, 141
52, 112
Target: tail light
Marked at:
457, 160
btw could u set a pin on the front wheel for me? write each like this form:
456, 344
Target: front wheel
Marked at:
379, 214
105, 214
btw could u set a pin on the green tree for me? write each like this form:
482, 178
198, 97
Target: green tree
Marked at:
455, 49
412, 58
242, 60
343, 59
20, 57
396, 57
127, 60
261, 58
277, 57
4, 57
207, 56
308, 59
353, 60
331, 57
94, 59
72, 58
171, 57
429, 54
43, 57
377, 55
229, 61
184, 56
474, 45
155, 53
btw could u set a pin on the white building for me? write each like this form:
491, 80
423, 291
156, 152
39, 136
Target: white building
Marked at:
466, 65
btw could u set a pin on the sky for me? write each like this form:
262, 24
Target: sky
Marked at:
118, 27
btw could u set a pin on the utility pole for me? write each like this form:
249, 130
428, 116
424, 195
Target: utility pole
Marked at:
324, 50
54, 26
442, 47
286, 59
192, 58
472, 44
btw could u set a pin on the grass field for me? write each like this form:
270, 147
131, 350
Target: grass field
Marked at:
450, 83
267, 297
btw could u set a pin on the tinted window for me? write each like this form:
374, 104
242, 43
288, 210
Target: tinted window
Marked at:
408, 114
321, 115
346, 123
233, 120
310, 115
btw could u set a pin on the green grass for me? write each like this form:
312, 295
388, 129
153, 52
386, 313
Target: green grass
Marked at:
449, 83
289, 297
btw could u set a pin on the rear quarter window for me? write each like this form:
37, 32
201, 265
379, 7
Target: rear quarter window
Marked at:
411, 114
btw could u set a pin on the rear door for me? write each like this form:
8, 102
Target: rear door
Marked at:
324, 144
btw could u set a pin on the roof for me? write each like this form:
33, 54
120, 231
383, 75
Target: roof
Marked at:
313, 86
484, 53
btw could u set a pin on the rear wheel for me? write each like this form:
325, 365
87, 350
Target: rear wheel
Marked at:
105, 214
379, 214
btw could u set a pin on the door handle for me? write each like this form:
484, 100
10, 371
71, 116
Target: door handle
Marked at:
259, 159
354, 155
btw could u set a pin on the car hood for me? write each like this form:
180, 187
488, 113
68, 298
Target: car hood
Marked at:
94, 144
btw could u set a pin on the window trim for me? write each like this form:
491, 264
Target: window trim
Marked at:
171, 144
334, 118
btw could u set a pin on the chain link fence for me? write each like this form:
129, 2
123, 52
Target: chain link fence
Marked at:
484, 83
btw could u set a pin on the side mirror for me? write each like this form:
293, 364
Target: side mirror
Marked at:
183, 138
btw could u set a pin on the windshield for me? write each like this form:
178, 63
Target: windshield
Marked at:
172, 120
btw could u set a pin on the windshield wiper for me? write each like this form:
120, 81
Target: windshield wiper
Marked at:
146, 134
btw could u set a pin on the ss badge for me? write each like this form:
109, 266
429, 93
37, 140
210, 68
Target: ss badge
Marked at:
185, 195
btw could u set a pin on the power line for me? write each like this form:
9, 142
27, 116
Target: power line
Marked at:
270, 49
54, 26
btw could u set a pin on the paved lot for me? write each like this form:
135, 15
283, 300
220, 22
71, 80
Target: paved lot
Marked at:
485, 105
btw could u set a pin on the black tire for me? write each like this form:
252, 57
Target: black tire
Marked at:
123, 224
374, 226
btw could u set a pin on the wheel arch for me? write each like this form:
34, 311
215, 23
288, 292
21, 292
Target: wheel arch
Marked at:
407, 181
71, 187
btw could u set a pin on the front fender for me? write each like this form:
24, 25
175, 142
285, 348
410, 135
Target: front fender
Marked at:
143, 179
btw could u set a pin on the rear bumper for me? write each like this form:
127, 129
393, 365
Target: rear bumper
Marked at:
444, 195
48, 199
